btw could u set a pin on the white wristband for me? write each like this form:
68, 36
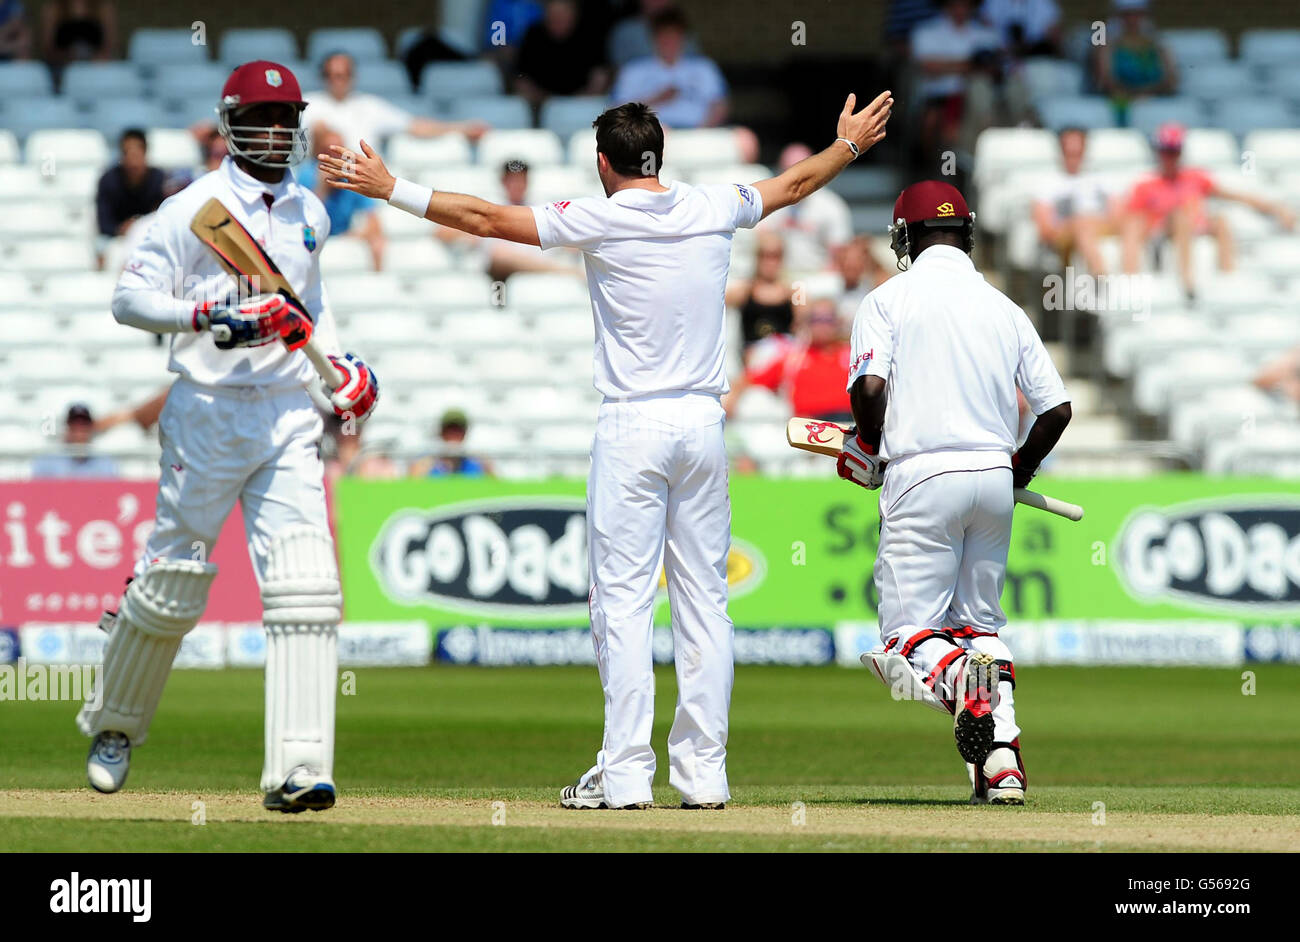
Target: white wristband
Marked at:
852, 147
411, 197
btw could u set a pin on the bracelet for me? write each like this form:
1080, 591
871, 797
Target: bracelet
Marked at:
410, 197
852, 147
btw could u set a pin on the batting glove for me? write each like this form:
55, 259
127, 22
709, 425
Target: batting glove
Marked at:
357, 394
254, 322
859, 463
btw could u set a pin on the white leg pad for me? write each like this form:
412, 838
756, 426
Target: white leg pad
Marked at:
301, 608
903, 682
157, 611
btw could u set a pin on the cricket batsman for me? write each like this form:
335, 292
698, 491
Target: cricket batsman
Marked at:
238, 425
937, 357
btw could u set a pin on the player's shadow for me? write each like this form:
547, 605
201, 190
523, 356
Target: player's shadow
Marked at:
890, 801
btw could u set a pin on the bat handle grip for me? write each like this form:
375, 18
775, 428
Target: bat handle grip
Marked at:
321, 362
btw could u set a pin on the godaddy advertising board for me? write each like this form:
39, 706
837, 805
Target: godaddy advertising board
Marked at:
1168, 569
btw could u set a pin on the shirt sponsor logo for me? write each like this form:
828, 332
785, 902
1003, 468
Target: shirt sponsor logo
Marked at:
744, 194
862, 358
561, 206
946, 209
309, 238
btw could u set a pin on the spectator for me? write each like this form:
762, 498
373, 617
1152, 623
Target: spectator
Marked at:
78, 31
1170, 204
862, 273
15, 37
557, 58
348, 457
501, 258
631, 39
815, 228
1073, 211
360, 116
428, 47
350, 213
685, 91
1281, 376
74, 459
1133, 64
765, 301
451, 458
129, 189
808, 370
506, 24
1027, 27
957, 57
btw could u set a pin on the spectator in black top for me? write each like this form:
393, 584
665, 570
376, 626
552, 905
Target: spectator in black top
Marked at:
78, 31
558, 58
129, 189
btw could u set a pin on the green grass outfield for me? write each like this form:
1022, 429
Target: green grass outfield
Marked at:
820, 759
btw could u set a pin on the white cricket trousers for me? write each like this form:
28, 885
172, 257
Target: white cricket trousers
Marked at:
657, 495
941, 564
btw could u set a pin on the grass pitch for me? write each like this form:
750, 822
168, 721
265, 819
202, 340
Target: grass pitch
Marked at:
820, 759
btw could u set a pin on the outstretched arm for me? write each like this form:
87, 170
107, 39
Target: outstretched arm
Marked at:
864, 129
366, 174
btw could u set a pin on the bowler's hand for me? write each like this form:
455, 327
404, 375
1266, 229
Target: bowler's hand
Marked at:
362, 173
867, 127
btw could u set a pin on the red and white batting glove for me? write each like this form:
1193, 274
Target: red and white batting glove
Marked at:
357, 394
859, 463
254, 322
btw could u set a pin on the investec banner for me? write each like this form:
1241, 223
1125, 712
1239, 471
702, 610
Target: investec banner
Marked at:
473, 552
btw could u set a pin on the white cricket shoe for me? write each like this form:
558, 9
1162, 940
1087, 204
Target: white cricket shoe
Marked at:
303, 790
108, 761
976, 696
591, 794
1003, 780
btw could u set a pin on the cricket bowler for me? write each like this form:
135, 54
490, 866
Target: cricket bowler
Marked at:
238, 425
937, 357
657, 258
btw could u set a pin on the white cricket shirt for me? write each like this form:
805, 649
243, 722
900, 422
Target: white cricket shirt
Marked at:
171, 270
657, 271
952, 350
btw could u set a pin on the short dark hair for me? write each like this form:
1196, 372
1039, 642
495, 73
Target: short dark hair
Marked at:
133, 134
668, 18
627, 136
514, 165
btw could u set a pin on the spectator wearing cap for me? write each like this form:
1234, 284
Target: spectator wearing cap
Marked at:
807, 369
1169, 205
1073, 211
558, 58
686, 91
130, 188
361, 116
451, 458
1133, 64
74, 459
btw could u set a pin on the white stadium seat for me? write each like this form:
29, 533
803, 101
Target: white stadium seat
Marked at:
1147, 114
1269, 47
25, 439
413, 154
1195, 45
1271, 448
83, 290
56, 363
1273, 151
364, 292
698, 147
1236, 291
137, 367
999, 151
445, 81
24, 80
548, 184
1082, 111
565, 115
1046, 77
482, 182
16, 291
1284, 81
363, 44
416, 367
536, 147
500, 111
731, 173
111, 116
567, 331
1279, 257
1196, 421
391, 330
1116, 149
199, 82
345, 255
1211, 148
382, 78
34, 220
67, 147
1187, 372
173, 148
485, 327
452, 291
1214, 81
86, 82
10, 152
166, 50
245, 45
97, 329
44, 256
416, 256
537, 291
1255, 114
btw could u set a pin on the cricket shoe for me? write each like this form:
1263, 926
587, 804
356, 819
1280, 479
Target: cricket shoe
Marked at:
108, 761
1001, 781
704, 806
303, 790
591, 794
976, 696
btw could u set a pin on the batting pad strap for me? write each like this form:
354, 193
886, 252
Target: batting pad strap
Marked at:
920, 638
301, 581
410, 197
169, 597
1007, 672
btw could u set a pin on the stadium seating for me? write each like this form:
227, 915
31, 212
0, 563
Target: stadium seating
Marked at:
89, 82
1265, 48
169, 51
536, 146
24, 80
446, 81
363, 44
1195, 45
503, 112
242, 45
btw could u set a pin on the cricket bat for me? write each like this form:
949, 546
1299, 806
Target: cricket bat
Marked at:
241, 256
827, 438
